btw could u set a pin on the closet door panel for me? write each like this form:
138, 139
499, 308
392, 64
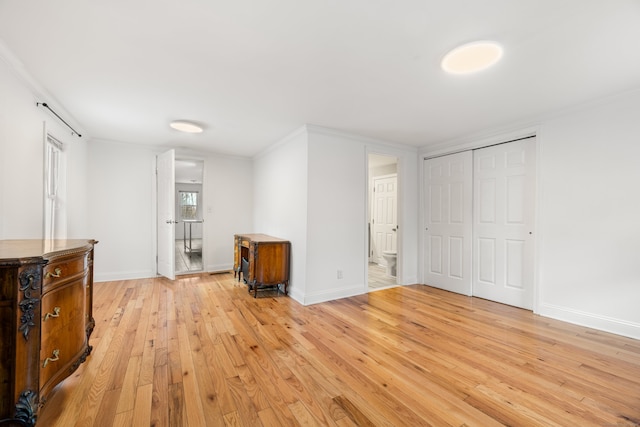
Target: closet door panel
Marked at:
504, 195
448, 219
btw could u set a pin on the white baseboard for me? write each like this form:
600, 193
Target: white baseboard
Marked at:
413, 280
212, 268
331, 295
125, 275
591, 320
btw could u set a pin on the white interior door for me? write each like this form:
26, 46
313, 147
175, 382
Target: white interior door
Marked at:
448, 222
165, 170
503, 223
385, 216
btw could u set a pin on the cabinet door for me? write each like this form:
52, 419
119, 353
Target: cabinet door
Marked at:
272, 266
64, 336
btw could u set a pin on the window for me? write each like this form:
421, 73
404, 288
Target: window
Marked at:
189, 204
55, 214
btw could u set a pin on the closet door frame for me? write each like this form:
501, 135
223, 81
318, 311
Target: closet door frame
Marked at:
531, 132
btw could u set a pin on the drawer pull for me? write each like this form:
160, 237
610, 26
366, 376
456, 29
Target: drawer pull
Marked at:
56, 356
57, 273
56, 313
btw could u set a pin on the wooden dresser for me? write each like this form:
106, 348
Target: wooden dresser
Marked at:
267, 261
46, 300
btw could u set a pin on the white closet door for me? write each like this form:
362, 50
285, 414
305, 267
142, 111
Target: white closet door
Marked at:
503, 220
448, 222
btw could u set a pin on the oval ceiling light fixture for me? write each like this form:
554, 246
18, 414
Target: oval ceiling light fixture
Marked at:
186, 126
472, 57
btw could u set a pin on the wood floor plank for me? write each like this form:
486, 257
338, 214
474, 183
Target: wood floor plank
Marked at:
142, 408
193, 403
159, 415
201, 351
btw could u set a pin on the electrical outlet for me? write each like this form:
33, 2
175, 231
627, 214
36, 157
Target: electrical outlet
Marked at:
339, 274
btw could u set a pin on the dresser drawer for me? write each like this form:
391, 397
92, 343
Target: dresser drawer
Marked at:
63, 304
59, 350
64, 269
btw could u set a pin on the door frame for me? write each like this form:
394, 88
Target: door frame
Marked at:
477, 143
154, 206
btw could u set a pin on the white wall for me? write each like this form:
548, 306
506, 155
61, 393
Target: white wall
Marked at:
280, 202
589, 216
338, 213
311, 189
77, 189
228, 201
337, 238
22, 160
123, 214
121, 199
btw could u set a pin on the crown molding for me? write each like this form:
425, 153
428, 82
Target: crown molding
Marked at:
520, 129
302, 130
17, 68
360, 138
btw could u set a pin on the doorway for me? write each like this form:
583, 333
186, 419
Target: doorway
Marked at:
179, 222
382, 221
189, 215
479, 222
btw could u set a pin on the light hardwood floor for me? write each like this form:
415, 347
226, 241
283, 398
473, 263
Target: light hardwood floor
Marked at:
200, 351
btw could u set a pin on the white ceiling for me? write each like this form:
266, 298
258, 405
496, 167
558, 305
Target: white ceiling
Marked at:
252, 71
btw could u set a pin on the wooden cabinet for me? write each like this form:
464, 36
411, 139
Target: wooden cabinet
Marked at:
266, 261
46, 318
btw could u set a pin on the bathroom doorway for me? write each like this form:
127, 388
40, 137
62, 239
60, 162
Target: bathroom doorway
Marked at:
189, 229
382, 221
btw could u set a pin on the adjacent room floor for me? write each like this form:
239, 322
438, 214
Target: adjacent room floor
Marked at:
188, 261
378, 277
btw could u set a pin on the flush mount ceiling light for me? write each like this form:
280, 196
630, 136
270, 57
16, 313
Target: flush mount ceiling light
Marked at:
186, 126
472, 57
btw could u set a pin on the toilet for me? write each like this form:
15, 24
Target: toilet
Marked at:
390, 257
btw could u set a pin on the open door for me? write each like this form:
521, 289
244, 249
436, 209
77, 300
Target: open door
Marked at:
165, 178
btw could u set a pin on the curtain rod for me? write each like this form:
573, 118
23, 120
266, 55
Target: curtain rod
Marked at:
44, 104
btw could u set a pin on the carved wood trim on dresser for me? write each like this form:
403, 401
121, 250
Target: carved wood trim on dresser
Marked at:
46, 318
